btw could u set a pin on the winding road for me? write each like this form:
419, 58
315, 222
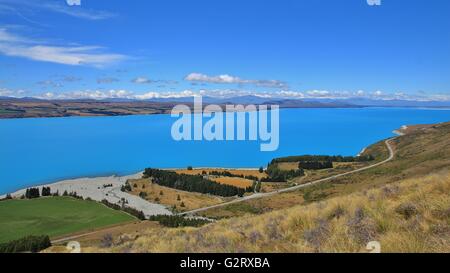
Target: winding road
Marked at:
263, 195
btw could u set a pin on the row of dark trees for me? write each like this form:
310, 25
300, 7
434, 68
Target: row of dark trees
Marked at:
335, 158
192, 183
27, 244
175, 221
8, 197
32, 193
229, 174
315, 165
136, 213
275, 174
46, 191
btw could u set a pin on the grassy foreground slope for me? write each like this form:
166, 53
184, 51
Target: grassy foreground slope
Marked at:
404, 204
423, 150
407, 216
54, 216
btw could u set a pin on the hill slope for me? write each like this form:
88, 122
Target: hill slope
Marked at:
408, 216
404, 204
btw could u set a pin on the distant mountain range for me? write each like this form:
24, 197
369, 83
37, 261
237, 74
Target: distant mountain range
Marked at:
283, 102
313, 102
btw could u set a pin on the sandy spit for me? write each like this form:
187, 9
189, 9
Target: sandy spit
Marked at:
100, 188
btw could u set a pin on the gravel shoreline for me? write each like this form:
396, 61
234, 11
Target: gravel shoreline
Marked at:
100, 188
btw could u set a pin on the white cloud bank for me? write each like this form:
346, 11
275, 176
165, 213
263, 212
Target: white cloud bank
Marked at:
224, 93
142, 80
17, 46
227, 79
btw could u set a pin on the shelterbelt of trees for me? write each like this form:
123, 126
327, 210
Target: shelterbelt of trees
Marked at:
277, 175
26, 244
192, 183
306, 162
315, 165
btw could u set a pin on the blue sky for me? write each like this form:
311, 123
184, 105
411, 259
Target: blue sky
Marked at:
285, 48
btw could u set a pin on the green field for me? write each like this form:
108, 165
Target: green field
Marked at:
54, 216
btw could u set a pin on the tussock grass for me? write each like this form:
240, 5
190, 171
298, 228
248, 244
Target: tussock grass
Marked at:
407, 216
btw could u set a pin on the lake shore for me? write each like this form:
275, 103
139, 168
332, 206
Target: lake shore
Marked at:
103, 188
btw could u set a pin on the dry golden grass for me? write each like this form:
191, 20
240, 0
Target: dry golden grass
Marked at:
233, 181
288, 166
169, 196
408, 216
273, 186
107, 236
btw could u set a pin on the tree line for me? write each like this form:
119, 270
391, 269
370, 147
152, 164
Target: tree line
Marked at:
32, 193
192, 183
8, 197
324, 158
27, 244
275, 174
315, 165
136, 213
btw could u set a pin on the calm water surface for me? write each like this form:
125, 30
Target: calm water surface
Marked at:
40, 150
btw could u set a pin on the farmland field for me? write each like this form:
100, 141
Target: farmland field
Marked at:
54, 216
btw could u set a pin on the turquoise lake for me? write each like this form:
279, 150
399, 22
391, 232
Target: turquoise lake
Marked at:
42, 150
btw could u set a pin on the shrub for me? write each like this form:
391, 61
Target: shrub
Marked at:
317, 235
361, 227
107, 240
337, 213
142, 195
8, 197
136, 213
407, 210
27, 244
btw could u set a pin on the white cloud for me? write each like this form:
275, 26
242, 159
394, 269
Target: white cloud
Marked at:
216, 93
89, 94
228, 79
166, 95
17, 46
223, 93
318, 93
142, 80
4, 92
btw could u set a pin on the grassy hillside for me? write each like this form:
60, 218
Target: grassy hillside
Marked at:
54, 216
424, 150
408, 216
